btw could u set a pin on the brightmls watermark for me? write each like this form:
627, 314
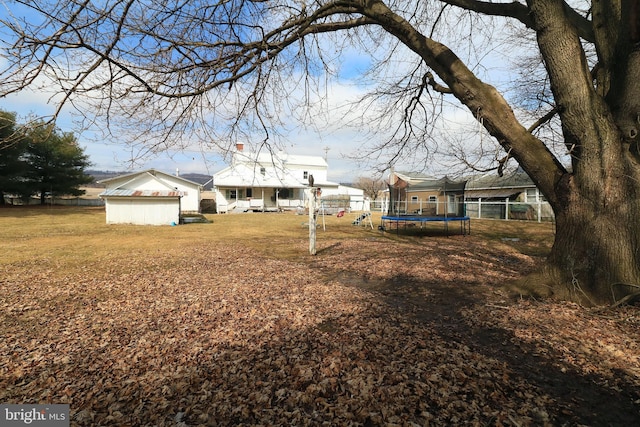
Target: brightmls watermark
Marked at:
34, 415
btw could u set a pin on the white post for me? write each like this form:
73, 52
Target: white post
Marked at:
312, 221
539, 210
506, 208
479, 207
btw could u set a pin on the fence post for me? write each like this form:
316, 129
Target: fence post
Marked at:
506, 208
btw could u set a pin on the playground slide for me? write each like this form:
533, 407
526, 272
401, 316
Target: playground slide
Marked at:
360, 218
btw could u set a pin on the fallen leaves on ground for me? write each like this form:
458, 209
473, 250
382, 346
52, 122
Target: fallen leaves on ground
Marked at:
368, 332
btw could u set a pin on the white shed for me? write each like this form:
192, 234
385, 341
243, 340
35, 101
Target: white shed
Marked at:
149, 197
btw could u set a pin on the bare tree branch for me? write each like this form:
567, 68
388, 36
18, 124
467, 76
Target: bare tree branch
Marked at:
435, 85
521, 12
542, 120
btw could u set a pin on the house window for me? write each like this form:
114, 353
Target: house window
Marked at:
249, 192
533, 195
234, 194
414, 199
305, 175
433, 198
263, 171
285, 193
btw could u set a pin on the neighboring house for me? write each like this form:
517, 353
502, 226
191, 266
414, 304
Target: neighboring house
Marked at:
149, 197
356, 197
269, 181
415, 193
514, 192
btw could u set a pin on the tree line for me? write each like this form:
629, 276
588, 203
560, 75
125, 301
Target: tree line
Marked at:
39, 160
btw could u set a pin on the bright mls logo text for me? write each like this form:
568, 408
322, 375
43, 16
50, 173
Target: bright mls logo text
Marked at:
37, 415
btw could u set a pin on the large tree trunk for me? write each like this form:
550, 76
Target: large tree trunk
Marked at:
595, 257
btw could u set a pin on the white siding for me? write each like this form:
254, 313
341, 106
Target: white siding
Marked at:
190, 201
158, 181
357, 200
142, 211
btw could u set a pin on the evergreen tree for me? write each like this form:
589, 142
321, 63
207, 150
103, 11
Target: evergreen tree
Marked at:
56, 164
12, 148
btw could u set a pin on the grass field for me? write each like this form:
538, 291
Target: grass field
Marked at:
80, 234
234, 323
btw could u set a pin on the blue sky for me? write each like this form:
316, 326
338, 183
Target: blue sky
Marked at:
113, 154
323, 136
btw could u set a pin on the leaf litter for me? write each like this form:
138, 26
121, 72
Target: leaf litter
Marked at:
369, 332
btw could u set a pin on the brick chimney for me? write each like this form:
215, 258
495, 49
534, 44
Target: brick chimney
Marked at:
239, 146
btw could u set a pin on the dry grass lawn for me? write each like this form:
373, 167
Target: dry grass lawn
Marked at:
233, 323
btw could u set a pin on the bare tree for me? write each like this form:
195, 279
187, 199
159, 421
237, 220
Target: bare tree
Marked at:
176, 68
371, 186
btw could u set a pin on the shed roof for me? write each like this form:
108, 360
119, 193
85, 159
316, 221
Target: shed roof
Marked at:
115, 192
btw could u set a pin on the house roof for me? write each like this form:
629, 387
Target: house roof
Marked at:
517, 179
352, 191
414, 177
155, 173
279, 158
490, 193
442, 184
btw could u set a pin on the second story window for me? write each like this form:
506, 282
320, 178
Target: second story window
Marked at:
263, 171
305, 175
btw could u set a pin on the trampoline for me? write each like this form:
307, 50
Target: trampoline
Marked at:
465, 222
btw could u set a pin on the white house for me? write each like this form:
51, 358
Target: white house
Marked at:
149, 197
269, 181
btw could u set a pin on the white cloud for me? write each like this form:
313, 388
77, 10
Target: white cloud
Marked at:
330, 125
